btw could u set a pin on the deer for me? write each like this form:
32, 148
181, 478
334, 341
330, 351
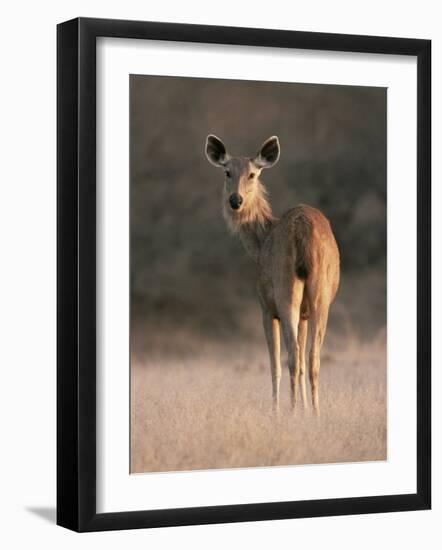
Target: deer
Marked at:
297, 261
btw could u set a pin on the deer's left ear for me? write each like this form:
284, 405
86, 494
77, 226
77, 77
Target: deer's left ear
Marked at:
268, 155
216, 151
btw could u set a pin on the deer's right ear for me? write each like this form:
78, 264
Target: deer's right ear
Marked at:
268, 156
215, 151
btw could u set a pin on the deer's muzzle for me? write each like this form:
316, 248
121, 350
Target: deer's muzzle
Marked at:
235, 200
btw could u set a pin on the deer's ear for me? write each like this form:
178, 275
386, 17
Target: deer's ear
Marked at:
268, 155
215, 151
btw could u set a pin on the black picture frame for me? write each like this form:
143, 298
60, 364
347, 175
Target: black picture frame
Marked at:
76, 274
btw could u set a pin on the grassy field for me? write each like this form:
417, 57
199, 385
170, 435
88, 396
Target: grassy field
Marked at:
210, 407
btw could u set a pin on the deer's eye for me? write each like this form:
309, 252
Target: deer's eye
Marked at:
251, 176
227, 173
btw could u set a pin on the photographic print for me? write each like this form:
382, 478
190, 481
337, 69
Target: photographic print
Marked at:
258, 274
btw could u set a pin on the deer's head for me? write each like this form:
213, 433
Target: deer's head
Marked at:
241, 183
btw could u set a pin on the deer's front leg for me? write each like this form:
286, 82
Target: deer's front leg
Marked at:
272, 332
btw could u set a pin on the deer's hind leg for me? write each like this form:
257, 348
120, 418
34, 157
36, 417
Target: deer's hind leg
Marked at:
318, 318
290, 317
272, 332
302, 341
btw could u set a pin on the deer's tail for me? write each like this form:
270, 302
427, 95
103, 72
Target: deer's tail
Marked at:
302, 231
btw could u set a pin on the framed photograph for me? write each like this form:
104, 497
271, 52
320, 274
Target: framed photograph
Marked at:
243, 274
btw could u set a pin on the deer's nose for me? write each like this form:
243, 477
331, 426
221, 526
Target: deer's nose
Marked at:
235, 200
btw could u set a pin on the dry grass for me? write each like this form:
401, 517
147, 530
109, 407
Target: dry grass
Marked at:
212, 409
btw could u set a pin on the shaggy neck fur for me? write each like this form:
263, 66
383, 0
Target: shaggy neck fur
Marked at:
253, 222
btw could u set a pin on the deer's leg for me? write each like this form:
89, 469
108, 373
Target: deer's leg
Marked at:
290, 323
318, 319
290, 330
271, 328
302, 341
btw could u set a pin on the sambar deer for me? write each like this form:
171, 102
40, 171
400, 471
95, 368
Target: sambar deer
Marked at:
297, 260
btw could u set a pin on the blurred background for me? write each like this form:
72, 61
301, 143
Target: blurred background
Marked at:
186, 269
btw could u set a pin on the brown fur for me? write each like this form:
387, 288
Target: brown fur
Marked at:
297, 263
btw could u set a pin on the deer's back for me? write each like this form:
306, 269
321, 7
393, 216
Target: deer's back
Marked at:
301, 245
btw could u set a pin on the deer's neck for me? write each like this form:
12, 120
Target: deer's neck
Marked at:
253, 236
253, 223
